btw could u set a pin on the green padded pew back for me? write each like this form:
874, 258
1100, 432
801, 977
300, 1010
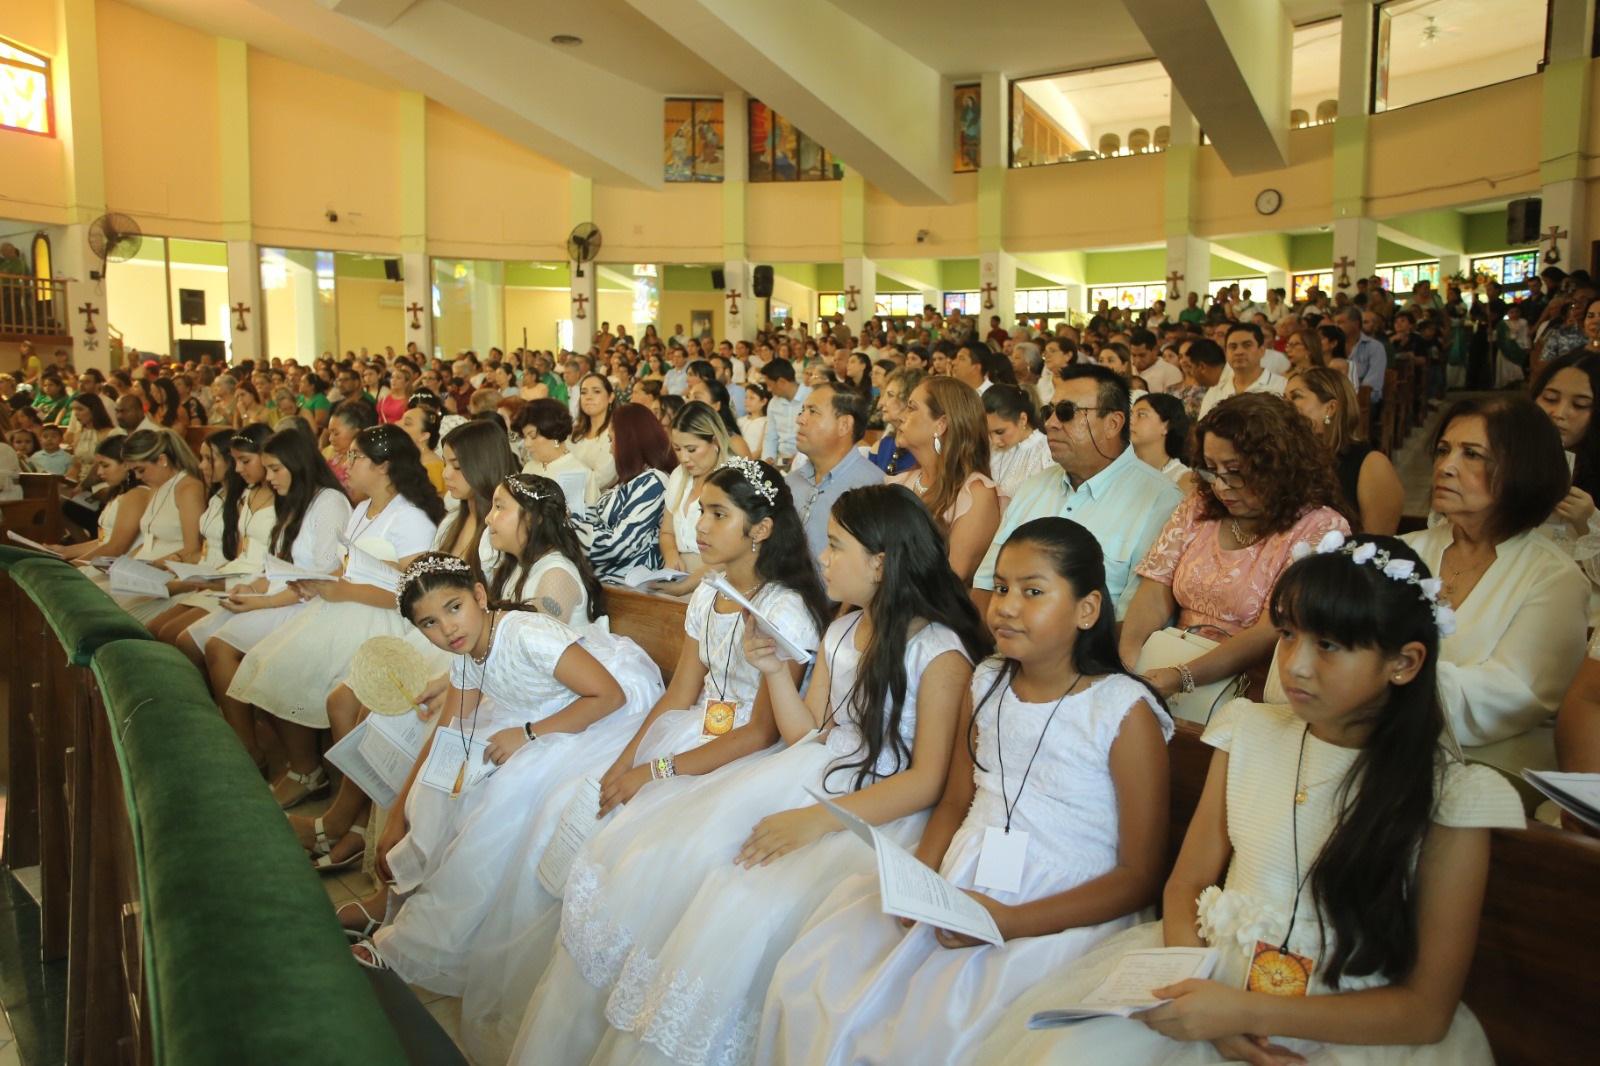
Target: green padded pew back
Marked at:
81, 615
244, 960
13, 553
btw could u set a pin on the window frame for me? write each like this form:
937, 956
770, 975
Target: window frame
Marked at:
45, 67
1376, 65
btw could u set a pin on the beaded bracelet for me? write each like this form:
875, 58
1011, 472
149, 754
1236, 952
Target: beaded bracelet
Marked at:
1185, 678
663, 768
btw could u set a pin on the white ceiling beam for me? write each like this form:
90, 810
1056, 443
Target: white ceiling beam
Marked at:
857, 93
1230, 60
377, 12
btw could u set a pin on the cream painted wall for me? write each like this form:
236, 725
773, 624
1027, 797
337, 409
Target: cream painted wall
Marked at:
680, 224
1085, 205
952, 228
793, 221
486, 194
32, 169
1225, 204
370, 314
537, 311
136, 293
678, 307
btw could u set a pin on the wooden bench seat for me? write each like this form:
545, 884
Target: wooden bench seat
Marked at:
1531, 976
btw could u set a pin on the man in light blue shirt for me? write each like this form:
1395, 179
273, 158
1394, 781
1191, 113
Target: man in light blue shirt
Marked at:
830, 425
1097, 482
787, 395
677, 378
1368, 359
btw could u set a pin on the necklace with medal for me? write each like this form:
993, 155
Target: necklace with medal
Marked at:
461, 728
1277, 971
721, 712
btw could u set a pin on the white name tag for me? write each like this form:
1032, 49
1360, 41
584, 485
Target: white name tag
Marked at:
1000, 861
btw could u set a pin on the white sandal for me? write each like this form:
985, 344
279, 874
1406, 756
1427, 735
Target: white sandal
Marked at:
313, 784
365, 932
324, 863
376, 962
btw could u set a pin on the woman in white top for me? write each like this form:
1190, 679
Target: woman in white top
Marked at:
591, 430
118, 531
1521, 604
1566, 390
545, 427
1017, 448
93, 425
170, 525
700, 443
1159, 432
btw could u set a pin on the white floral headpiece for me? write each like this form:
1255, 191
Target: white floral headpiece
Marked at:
431, 563
1404, 570
754, 472
522, 492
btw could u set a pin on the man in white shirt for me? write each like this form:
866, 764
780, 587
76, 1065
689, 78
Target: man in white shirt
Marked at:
1159, 375
967, 367
1097, 481
1245, 372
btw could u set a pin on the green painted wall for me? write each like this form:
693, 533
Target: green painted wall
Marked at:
538, 275
1487, 233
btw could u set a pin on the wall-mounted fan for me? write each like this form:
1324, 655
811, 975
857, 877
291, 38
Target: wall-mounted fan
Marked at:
584, 244
115, 239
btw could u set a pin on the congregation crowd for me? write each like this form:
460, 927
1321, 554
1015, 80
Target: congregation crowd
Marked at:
1012, 556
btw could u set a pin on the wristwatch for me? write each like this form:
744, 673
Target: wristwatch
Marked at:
527, 727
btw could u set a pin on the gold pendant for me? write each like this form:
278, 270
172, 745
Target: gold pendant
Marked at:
719, 718
1300, 797
1277, 972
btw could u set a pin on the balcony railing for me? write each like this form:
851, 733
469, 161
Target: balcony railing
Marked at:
33, 307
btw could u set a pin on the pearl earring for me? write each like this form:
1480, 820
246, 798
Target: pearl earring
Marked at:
1327, 420
938, 446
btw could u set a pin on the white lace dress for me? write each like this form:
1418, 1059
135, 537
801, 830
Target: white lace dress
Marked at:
1263, 745
843, 992
455, 856
316, 547
493, 1007
295, 667
697, 999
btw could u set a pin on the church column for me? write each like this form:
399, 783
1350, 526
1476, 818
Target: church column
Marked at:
860, 273
415, 269
997, 269
742, 314
1188, 256
584, 311
246, 315
1565, 128
488, 290
1355, 236
77, 88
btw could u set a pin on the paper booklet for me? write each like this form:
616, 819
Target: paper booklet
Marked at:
35, 545
361, 567
347, 758
786, 647
578, 824
911, 889
193, 572
1577, 794
134, 578
640, 576
279, 573
1126, 989
446, 759
574, 485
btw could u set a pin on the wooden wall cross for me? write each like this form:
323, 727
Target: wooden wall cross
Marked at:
415, 309
580, 299
1553, 255
88, 311
852, 292
732, 296
989, 289
1175, 284
1343, 265
241, 310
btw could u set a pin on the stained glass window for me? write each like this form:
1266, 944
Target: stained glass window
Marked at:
692, 133
1131, 297
1512, 268
1302, 284
25, 102
780, 151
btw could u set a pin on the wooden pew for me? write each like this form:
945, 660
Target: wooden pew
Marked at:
1531, 973
37, 515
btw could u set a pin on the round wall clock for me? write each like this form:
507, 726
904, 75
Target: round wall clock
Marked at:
1268, 201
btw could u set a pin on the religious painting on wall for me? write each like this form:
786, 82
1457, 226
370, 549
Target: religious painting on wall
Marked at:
760, 141
781, 151
693, 140
699, 323
969, 121
785, 150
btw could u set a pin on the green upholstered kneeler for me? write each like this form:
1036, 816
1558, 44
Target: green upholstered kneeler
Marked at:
12, 553
244, 960
81, 615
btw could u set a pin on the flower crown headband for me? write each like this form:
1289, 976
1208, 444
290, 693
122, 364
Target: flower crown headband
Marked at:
1403, 570
432, 563
523, 493
754, 472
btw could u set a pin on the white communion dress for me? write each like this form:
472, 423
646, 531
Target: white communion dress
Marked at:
698, 997
458, 849
502, 978
858, 987
1254, 903
160, 535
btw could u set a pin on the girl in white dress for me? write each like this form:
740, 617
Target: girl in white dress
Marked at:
170, 525
237, 527
700, 442
715, 711
1065, 755
876, 730
477, 457
591, 430
117, 527
1017, 447
292, 671
1352, 853
548, 710
310, 512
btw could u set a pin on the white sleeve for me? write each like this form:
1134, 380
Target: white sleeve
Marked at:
411, 533
318, 545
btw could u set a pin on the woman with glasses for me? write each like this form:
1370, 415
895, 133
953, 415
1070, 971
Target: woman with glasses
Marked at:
1266, 484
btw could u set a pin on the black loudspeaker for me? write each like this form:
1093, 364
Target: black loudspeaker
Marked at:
719, 280
188, 349
1522, 220
192, 307
391, 269
761, 282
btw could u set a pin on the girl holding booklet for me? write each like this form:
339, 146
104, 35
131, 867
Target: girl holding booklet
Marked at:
1054, 818
715, 711
294, 669
169, 528
117, 531
309, 513
1351, 849
712, 913
525, 695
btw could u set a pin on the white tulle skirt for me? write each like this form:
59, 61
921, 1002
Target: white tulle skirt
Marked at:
665, 945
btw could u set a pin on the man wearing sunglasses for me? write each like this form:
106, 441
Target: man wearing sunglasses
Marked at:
1097, 481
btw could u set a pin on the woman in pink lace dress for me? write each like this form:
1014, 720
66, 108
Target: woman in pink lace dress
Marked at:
1267, 484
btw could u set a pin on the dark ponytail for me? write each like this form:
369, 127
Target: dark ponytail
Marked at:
390, 444
549, 525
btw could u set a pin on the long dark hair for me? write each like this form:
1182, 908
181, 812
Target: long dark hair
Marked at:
171, 404
432, 413
1170, 410
917, 583
308, 475
583, 425
549, 526
111, 448
1076, 556
785, 557
1364, 878
392, 445
431, 571
223, 442
638, 443
722, 404
1586, 468
484, 454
